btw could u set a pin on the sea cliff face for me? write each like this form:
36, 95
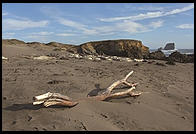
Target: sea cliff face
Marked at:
123, 48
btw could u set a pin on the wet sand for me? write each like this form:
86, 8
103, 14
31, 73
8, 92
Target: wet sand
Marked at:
166, 104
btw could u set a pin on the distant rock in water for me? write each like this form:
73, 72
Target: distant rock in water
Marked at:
158, 55
182, 58
122, 48
169, 46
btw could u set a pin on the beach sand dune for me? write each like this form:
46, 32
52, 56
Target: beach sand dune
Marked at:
166, 104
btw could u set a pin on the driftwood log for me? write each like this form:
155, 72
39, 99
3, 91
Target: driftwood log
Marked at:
108, 93
49, 99
4, 58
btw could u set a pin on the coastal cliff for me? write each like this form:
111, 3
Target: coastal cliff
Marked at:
123, 48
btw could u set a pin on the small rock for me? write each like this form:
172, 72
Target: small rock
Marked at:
35, 128
44, 129
105, 116
183, 117
14, 122
29, 118
53, 127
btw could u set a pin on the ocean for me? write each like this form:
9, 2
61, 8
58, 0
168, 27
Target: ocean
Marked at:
168, 52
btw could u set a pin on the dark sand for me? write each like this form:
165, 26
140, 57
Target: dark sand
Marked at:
167, 105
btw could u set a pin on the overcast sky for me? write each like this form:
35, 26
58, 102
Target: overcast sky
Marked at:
155, 24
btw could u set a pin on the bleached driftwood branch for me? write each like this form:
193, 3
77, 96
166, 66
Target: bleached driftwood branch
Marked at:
49, 99
38, 57
108, 93
4, 58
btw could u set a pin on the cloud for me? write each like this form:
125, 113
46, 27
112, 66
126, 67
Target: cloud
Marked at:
4, 13
65, 34
8, 35
185, 26
150, 8
39, 35
43, 33
175, 11
148, 15
128, 26
37, 38
131, 27
156, 24
16, 24
76, 25
70, 23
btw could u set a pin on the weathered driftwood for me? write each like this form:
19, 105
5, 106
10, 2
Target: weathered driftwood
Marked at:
4, 58
138, 60
39, 57
43, 58
108, 93
49, 99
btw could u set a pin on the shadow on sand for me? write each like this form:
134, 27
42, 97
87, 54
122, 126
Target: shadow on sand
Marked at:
98, 91
29, 106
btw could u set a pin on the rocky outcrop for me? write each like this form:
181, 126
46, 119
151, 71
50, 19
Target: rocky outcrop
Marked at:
159, 49
190, 58
122, 48
158, 55
169, 46
182, 58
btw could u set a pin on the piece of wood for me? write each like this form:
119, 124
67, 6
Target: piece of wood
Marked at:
49, 99
115, 84
43, 96
51, 95
128, 75
43, 58
108, 93
60, 102
38, 102
4, 58
104, 97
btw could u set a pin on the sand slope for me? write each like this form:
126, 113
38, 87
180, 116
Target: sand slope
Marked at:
168, 105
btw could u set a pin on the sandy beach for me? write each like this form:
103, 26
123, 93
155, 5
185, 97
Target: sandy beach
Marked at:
166, 104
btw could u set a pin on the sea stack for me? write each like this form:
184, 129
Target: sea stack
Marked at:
169, 46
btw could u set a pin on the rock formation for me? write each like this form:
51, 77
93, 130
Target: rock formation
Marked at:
122, 48
159, 55
169, 46
182, 58
159, 49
